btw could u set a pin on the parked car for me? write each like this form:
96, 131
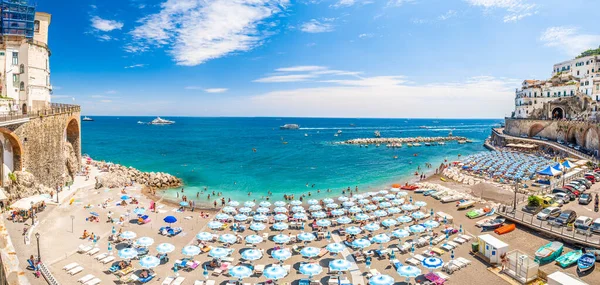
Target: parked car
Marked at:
558, 202
566, 217
577, 147
583, 222
573, 190
548, 213
584, 182
566, 191
590, 178
563, 197
592, 174
560, 142
596, 226
580, 184
576, 187
585, 199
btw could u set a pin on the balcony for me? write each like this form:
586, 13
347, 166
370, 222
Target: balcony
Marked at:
23, 116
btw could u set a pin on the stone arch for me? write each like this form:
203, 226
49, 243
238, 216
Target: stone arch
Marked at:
591, 139
16, 148
557, 113
73, 136
535, 129
571, 136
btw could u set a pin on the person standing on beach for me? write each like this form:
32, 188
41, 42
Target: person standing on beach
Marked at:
215, 203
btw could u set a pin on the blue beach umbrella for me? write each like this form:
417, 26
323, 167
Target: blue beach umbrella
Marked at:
213, 225
337, 212
165, 248
217, 252
228, 238
400, 233
128, 235
319, 215
408, 207
252, 254
452, 254
260, 218
240, 217
295, 203
377, 198
257, 226
144, 241
280, 217
371, 227
432, 263
354, 210
275, 272
361, 217
128, 253
380, 213
280, 210
249, 204
313, 202
353, 230
184, 204
364, 201
254, 239
416, 229
149, 261
324, 223
298, 209
281, 254
233, 203
313, 208
385, 204
380, 238
381, 279
361, 243
328, 201
190, 250
304, 236
409, 271
404, 219
280, 226
222, 216
125, 197
390, 196
335, 247
397, 202
310, 269
339, 265
310, 251
389, 222
410, 199
343, 198
300, 216
205, 236
114, 231
281, 238
401, 194
430, 224
280, 204
170, 219
229, 209
348, 204
110, 248
418, 215
245, 210
420, 204
370, 207
344, 220
240, 272
139, 211
265, 204
332, 206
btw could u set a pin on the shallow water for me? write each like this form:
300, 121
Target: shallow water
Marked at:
218, 153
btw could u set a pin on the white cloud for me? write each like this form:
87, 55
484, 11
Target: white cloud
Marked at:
365, 36
200, 30
569, 40
285, 78
311, 44
316, 26
193, 88
301, 68
105, 25
447, 15
215, 90
105, 101
111, 92
138, 65
105, 38
348, 3
515, 9
398, 3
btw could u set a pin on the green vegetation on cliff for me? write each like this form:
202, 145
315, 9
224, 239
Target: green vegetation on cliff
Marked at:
590, 52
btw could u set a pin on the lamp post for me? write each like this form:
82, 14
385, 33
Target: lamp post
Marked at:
72, 218
32, 215
37, 237
516, 190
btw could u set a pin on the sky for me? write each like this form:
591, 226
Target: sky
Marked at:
309, 58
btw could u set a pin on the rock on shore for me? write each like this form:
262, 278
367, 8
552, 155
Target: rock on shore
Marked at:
402, 140
23, 184
117, 175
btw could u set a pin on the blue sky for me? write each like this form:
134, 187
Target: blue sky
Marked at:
324, 58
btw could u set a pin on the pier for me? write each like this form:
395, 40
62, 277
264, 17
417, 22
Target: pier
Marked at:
364, 141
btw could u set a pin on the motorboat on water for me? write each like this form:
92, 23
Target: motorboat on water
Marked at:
141, 123
161, 121
339, 132
377, 134
464, 204
289, 127
569, 258
493, 224
462, 142
416, 144
427, 144
306, 135
586, 262
86, 118
409, 144
441, 143
550, 252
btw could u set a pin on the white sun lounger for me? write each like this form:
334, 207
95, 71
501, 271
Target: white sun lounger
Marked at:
178, 281
419, 257
459, 240
455, 245
75, 270
70, 266
84, 248
108, 259
94, 281
93, 251
199, 282
466, 237
442, 275
447, 247
168, 281
210, 282
413, 261
86, 278
464, 260
101, 256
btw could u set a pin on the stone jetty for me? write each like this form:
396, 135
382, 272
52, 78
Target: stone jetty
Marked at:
119, 176
403, 140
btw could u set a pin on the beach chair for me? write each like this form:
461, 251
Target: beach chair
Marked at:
438, 239
178, 281
466, 237
259, 269
459, 240
413, 261
447, 247
75, 270
206, 249
396, 263
86, 278
101, 256
70, 266
193, 265
332, 280
84, 248
436, 279
442, 275
168, 280
94, 281
438, 251
93, 251
265, 236
287, 267
199, 282
107, 259
464, 260
419, 257
210, 282
455, 245
125, 271
372, 272
147, 279
322, 253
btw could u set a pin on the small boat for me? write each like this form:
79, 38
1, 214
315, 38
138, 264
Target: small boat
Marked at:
550, 252
409, 144
289, 127
451, 198
462, 142
409, 187
416, 144
492, 212
441, 143
569, 258
141, 123
339, 132
427, 144
86, 118
377, 145
377, 134
465, 204
586, 262
443, 179
505, 229
335, 135
476, 213
306, 135
493, 224
161, 121
439, 194
420, 190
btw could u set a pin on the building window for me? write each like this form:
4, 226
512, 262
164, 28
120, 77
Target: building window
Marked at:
22, 86
36, 26
22, 69
15, 79
15, 58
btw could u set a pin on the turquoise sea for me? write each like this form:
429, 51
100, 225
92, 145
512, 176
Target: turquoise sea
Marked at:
218, 152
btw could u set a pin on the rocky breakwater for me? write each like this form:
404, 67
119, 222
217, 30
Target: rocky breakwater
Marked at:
364, 141
116, 176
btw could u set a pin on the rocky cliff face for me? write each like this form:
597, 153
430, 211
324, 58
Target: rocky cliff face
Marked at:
24, 185
119, 176
72, 162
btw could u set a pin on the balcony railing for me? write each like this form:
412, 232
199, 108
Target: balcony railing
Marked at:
53, 109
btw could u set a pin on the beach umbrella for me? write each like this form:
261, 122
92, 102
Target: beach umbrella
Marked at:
377, 199
389, 222
281, 254
361, 243
359, 196
383, 192
353, 230
362, 217
398, 201
430, 224
240, 217
190, 250
354, 210
280, 217
265, 204
344, 220
280, 226
380, 238
184, 204
408, 207
144, 241
318, 215
228, 238
164, 248
281, 238
300, 216
240, 272
229, 209
249, 204
348, 204
257, 226
394, 210
431, 213
339, 265
275, 272
170, 219
409, 271
310, 252
332, 206
218, 252
125, 197
245, 210
370, 207
432, 263
205, 236
280, 210
222, 216
337, 212
252, 254
295, 202
395, 189
128, 253
401, 194
418, 215
416, 229
139, 211
371, 227
313, 208
254, 239
368, 262
335, 247
385, 204
381, 279
390, 196
304, 236
460, 230
364, 201
343, 198
233, 203
213, 225
260, 218
324, 223
298, 209
400, 233
380, 213
310, 269
328, 201
421, 204
313, 202
128, 235
280, 204
149, 261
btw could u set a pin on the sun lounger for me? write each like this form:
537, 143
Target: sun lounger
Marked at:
94, 281
265, 236
108, 259
206, 249
459, 263
438, 239
210, 282
178, 281
455, 245
438, 251
84, 248
93, 251
459, 240
464, 260
125, 271
419, 257
259, 268
287, 268
372, 272
396, 263
199, 282
75, 270
322, 253
428, 253
447, 247
70, 266
86, 278
466, 237
332, 280
168, 281
413, 261
442, 275
434, 278
101, 256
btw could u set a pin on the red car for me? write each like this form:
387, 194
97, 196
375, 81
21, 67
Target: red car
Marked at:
590, 178
573, 190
